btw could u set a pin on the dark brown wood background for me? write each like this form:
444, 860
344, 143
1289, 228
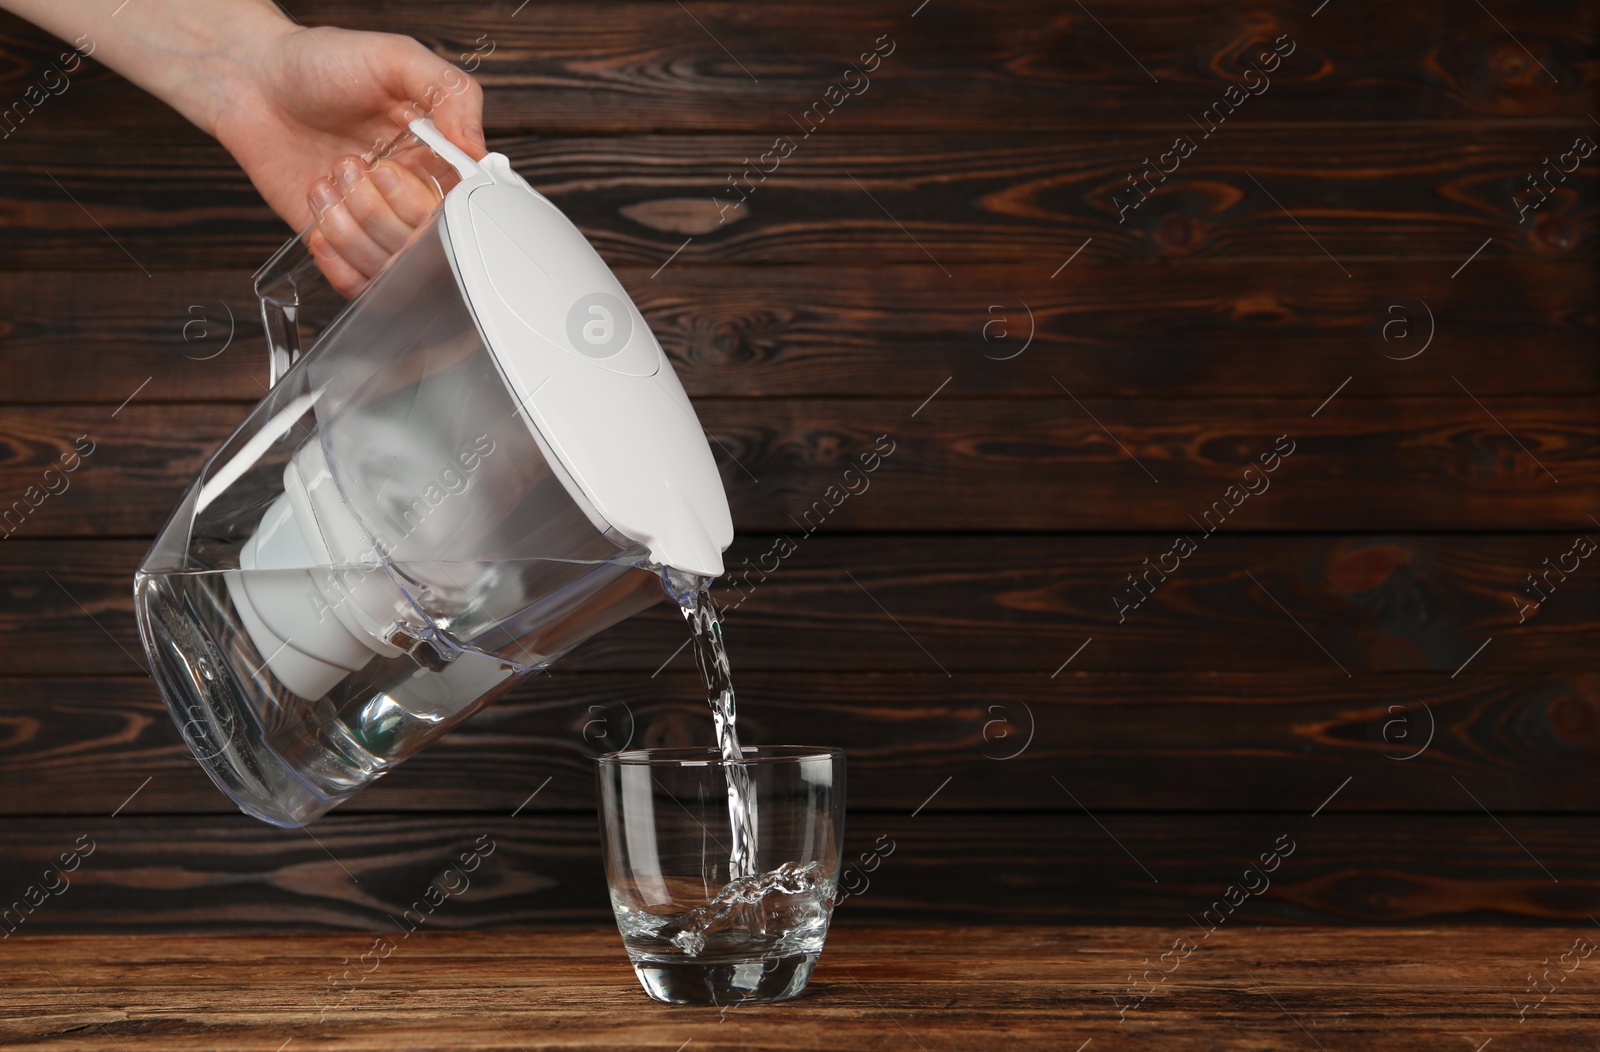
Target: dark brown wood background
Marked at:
1294, 660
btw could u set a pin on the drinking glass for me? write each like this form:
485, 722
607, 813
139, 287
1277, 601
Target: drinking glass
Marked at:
696, 932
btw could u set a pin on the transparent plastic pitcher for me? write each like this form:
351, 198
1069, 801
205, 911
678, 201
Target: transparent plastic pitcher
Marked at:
482, 461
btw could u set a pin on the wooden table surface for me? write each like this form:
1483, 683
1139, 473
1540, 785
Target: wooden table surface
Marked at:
902, 988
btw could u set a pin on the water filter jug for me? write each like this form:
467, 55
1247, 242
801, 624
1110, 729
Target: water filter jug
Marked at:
482, 461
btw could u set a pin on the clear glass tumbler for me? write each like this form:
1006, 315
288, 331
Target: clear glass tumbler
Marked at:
697, 933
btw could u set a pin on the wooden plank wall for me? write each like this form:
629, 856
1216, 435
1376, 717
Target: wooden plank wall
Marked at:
1068, 383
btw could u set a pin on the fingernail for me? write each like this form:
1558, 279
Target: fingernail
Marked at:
324, 195
474, 133
385, 179
348, 173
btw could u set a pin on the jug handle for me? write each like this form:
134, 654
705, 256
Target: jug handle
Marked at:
278, 285
425, 130
280, 281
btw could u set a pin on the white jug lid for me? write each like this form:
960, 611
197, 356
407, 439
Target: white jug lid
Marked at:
600, 397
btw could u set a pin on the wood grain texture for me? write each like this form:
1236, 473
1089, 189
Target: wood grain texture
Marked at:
1003, 603
1226, 330
1418, 191
1365, 606
1183, 741
578, 68
209, 872
1038, 989
1045, 464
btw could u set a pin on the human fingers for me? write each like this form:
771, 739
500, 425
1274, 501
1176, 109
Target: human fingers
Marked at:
411, 198
342, 231
454, 99
345, 279
387, 203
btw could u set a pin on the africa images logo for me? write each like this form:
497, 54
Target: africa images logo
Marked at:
599, 325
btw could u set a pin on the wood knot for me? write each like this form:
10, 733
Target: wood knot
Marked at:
1514, 67
691, 216
1177, 231
1259, 306
727, 343
1573, 718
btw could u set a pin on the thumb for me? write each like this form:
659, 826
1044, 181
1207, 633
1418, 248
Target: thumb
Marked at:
440, 90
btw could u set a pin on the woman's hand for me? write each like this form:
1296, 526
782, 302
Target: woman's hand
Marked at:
296, 107
309, 103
